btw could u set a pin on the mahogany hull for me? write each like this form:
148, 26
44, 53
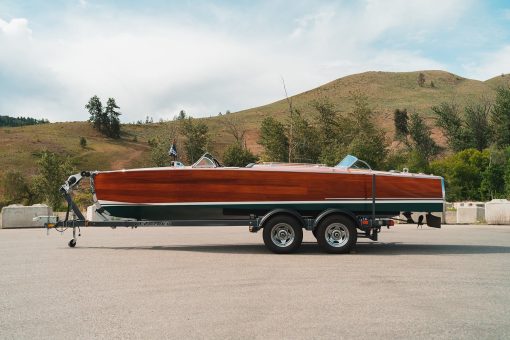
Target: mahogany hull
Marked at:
176, 193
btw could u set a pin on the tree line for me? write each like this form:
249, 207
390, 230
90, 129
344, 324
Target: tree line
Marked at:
20, 121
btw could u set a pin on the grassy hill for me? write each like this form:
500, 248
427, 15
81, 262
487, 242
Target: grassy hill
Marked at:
502, 80
386, 91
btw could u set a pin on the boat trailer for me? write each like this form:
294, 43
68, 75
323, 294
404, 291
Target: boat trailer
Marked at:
370, 225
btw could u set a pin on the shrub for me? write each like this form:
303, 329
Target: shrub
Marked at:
237, 155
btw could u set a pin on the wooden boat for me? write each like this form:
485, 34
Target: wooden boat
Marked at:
207, 190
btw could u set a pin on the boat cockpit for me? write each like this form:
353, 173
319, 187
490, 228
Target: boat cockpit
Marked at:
207, 161
349, 162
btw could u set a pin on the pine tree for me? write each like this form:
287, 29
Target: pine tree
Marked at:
112, 118
401, 120
95, 108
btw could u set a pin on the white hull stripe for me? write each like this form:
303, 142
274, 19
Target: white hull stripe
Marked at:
377, 201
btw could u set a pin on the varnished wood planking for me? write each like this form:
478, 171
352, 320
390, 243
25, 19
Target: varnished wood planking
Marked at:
241, 185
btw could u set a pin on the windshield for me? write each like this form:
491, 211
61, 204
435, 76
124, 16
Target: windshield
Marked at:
347, 162
350, 161
207, 161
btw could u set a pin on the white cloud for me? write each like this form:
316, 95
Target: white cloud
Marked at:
15, 28
158, 64
490, 64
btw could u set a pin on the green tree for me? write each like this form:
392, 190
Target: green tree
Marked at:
305, 145
181, 116
330, 132
326, 121
16, 188
238, 155
112, 119
463, 173
95, 108
53, 171
420, 135
161, 143
501, 117
159, 151
401, 121
494, 175
273, 140
449, 120
196, 138
367, 141
105, 121
83, 142
477, 125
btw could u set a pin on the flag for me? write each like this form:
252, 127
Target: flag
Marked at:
173, 151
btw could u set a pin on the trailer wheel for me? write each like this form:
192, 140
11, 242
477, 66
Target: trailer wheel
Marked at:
282, 234
72, 243
337, 234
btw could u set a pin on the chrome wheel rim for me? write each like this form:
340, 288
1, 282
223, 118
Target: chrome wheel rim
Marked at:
282, 235
337, 235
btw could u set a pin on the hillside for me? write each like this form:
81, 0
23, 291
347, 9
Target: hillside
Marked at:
502, 80
386, 91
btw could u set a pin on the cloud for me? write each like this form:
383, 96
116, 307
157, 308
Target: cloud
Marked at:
207, 58
490, 64
15, 28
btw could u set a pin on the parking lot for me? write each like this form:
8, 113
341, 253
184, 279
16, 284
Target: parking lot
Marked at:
216, 282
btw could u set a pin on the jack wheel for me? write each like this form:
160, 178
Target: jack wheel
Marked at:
72, 243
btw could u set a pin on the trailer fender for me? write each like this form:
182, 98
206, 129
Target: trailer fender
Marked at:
275, 212
329, 212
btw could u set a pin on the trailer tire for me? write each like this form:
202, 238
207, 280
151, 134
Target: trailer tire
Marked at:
282, 234
337, 234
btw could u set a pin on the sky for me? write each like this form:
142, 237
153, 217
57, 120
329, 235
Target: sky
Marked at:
159, 57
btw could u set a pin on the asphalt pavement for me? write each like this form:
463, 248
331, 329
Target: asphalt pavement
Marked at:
222, 283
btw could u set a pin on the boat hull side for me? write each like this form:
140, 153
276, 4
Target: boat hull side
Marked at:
199, 211
244, 185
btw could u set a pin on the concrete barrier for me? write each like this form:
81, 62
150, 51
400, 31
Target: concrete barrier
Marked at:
497, 211
20, 216
471, 214
449, 217
457, 205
